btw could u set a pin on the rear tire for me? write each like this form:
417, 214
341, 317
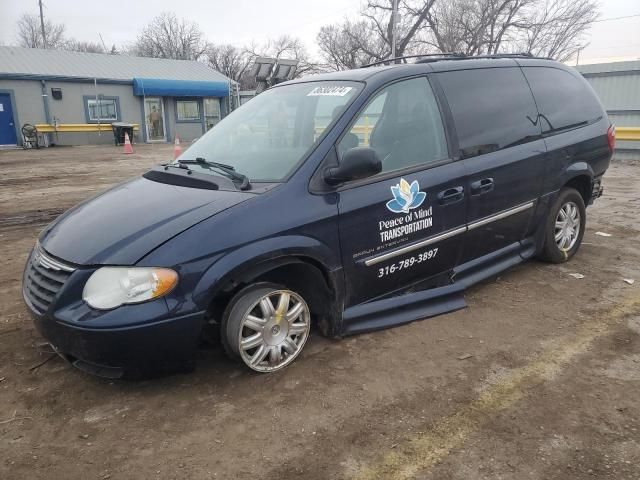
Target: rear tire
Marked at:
266, 326
564, 227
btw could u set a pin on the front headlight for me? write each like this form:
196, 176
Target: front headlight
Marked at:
110, 287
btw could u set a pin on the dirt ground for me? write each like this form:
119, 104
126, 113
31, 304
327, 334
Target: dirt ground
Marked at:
538, 379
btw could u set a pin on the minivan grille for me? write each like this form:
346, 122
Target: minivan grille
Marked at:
43, 279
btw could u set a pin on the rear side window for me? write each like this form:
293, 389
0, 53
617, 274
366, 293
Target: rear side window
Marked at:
492, 108
564, 101
402, 123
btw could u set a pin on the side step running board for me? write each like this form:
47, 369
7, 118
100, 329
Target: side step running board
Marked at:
403, 309
409, 307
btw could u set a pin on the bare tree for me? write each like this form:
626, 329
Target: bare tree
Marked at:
287, 47
410, 23
473, 27
370, 38
232, 61
30, 34
237, 62
556, 28
82, 46
552, 28
169, 37
349, 45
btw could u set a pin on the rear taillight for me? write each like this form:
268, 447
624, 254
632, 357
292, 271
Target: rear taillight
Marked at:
611, 137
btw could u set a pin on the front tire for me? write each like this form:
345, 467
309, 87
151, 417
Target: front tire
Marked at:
266, 326
564, 227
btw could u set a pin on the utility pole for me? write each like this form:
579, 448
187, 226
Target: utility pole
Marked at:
580, 51
394, 22
44, 33
103, 44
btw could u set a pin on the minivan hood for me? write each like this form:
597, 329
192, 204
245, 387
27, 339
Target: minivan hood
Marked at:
122, 225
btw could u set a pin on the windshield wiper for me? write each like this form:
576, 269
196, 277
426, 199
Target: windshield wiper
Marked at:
227, 170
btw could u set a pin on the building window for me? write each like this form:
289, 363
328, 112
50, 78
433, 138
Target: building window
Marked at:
102, 109
211, 112
188, 110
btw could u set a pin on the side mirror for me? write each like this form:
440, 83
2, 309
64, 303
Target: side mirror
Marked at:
356, 163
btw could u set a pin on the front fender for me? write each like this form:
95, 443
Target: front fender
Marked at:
239, 262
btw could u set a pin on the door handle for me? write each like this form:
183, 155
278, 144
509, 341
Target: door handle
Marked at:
482, 186
451, 195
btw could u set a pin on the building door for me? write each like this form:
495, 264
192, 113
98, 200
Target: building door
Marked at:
154, 119
211, 112
7, 125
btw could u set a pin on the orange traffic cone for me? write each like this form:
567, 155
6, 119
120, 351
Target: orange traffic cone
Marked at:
127, 143
177, 150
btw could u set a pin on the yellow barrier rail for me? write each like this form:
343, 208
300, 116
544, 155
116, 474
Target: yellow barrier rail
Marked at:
628, 133
77, 127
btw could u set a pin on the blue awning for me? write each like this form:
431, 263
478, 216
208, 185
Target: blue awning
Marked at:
179, 88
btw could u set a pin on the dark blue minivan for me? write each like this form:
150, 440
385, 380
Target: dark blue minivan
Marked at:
340, 203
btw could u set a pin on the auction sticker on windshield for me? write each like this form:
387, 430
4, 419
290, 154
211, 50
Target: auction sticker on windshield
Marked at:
329, 91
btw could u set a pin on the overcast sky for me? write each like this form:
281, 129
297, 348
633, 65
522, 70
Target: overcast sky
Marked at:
242, 21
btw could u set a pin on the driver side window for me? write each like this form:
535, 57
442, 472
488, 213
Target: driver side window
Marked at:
402, 124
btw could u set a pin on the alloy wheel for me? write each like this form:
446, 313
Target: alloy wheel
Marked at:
274, 330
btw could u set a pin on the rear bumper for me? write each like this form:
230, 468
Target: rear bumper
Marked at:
161, 347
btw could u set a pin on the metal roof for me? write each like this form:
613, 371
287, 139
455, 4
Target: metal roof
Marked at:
18, 61
612, 67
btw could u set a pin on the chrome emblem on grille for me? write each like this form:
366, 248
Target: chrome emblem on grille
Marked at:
35, 259
40, 258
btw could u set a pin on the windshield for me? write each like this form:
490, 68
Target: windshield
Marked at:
270, 135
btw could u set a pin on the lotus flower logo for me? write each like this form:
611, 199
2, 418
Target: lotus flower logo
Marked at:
406, 197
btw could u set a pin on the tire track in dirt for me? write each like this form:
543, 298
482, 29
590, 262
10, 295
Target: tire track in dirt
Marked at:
423, 451
29, 218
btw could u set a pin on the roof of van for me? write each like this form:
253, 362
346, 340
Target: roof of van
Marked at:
437, 65
357, 74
